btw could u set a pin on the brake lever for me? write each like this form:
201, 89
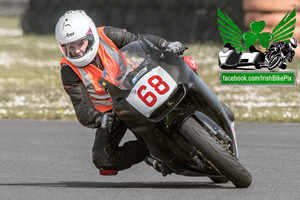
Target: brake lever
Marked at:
181, 50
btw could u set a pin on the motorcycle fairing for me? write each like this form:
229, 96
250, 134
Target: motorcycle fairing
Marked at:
186, 82
151, 91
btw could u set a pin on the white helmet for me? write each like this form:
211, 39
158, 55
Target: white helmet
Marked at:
75, 26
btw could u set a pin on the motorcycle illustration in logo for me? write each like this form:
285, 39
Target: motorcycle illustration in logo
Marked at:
280, 45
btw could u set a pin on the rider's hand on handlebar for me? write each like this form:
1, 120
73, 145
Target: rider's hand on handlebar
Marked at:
176, 47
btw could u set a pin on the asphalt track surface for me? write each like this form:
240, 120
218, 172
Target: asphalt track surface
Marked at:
52, 160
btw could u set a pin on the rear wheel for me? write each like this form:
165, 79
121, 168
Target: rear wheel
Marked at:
257, 66
219, 179
216, 154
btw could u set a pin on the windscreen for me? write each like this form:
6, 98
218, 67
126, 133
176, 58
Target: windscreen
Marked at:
134, 67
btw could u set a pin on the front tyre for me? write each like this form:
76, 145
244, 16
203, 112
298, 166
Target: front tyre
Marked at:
275, 62
212, 150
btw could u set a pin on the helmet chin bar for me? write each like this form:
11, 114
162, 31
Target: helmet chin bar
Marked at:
85, 59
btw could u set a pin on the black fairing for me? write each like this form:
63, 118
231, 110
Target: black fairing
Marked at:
188, 83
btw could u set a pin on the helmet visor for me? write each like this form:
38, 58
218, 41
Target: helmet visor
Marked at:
78, 48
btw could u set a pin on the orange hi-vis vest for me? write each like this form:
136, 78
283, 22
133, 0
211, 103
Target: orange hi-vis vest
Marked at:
90, 74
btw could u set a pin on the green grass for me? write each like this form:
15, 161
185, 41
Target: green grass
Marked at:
9, 22
30, 84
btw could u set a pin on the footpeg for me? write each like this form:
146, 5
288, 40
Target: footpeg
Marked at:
158, 166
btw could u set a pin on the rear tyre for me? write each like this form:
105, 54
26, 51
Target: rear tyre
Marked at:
219, 179
257, 66
212, 150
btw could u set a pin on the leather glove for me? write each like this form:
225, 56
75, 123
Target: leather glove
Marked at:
106, 120
176, 47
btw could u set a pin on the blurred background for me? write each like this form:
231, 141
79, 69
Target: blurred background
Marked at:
30, 85
189, 21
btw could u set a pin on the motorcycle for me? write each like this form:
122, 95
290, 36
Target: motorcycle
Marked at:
230, 59
276, 57
187, 130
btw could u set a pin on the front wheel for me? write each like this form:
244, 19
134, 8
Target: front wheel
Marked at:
215, 153
275, 61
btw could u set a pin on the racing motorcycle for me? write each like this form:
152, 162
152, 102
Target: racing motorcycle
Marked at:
274, 59
276, 56
187, 130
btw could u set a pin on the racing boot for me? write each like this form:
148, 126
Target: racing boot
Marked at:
105, 166
111, 160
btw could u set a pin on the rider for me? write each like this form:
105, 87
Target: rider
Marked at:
287, 50
87, 51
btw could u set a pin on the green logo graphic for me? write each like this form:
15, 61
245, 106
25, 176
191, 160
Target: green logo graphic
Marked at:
231, 33
263, 38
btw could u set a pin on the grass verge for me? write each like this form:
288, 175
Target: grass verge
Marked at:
30, 84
